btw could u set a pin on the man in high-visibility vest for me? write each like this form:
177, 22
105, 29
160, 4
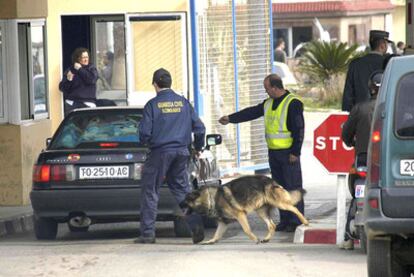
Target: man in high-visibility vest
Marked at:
284, 131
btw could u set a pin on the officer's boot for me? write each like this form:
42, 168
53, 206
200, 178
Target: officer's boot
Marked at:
195, 222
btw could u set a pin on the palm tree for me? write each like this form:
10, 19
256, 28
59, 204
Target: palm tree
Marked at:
325, 59
326, 63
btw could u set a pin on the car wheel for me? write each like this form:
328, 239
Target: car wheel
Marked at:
362, 239
45, 228
209, 222
381, 261
78, 229
181, 228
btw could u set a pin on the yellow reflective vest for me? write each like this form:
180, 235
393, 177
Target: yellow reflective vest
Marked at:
277, 134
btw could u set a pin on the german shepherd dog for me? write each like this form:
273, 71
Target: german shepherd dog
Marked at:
234, 200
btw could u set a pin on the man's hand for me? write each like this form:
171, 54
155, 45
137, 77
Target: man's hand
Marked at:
293, 158
224, 120
77, 66
69, 75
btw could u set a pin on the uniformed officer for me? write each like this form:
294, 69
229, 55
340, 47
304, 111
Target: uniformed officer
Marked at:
355, 132
284, 131
356, 85
167, 126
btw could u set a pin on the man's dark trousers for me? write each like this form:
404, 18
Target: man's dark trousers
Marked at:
168, 166
289, 176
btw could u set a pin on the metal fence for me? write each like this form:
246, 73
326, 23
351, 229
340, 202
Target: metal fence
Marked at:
234, 44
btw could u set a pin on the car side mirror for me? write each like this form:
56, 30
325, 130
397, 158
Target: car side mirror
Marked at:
48, 141
212, 139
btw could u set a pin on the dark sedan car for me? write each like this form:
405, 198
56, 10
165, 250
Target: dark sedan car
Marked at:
91, 169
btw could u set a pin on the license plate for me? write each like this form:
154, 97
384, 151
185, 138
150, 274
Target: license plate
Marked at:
103, 172
407, 167
359, 191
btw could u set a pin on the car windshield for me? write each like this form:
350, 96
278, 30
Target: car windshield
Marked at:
91, 129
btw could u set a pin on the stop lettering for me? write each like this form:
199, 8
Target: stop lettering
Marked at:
328, 146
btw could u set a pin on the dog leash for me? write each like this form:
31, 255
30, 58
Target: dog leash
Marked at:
196, 163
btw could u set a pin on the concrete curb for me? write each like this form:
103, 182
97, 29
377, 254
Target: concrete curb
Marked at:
315, 234
19, 224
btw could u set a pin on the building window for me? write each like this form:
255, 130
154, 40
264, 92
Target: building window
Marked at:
32, 68
109, 53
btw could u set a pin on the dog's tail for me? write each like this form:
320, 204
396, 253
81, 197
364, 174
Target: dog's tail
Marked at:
279, 192
297, 195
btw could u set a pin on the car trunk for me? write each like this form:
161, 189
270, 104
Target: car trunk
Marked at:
90, 168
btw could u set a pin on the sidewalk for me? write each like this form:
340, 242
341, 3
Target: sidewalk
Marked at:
15, 219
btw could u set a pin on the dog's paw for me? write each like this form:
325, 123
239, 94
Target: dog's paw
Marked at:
264, 240
207, 242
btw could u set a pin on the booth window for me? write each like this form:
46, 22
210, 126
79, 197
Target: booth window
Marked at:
32, 68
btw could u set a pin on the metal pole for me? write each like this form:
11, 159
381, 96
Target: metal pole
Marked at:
236, 75
341, 208
195, 60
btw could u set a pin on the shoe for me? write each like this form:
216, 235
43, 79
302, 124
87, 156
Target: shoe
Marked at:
281, 227
198, 234
145, 240
197, 227
290, 228
347, 245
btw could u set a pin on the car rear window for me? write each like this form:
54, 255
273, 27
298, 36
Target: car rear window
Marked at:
404, 109
90, 130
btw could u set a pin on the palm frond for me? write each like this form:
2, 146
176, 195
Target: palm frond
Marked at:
324, 59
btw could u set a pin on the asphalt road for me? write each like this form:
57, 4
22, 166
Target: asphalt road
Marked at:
108, 250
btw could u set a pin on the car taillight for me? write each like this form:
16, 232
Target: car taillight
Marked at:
376, 136
62, 173
373, 203
46, 173
375, 161
109, 144
362, 174
41, 173
374, 158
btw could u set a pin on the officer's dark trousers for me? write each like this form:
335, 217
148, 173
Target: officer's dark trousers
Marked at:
288, 175
161, 166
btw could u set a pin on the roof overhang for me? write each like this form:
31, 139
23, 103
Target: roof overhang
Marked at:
331, 9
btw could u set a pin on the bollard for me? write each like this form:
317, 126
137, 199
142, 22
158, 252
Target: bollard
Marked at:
341, 191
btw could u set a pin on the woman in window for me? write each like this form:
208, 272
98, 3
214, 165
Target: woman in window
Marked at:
79, 82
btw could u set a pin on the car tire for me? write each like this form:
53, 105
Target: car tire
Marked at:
381, 261
45, 228
78, 229
362, 239
209, 222
181, 228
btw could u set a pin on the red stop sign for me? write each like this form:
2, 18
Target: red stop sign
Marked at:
328, 146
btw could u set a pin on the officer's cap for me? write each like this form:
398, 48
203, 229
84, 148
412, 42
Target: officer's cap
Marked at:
378, 34
162, 78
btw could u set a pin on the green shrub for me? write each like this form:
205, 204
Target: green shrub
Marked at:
326, 64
